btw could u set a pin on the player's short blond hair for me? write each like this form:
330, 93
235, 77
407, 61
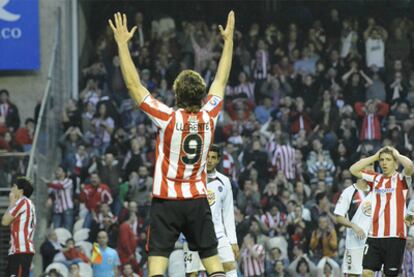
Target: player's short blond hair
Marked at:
189, 88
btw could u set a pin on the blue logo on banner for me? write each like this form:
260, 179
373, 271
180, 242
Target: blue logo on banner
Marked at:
19, 35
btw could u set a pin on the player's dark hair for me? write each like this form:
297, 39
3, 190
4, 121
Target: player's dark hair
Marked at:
215, 148
189, 88
24, 184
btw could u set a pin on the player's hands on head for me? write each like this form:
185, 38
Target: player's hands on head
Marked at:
395, 152
227, 34
120, 28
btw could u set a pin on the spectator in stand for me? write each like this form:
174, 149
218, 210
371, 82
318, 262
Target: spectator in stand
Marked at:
61, 195
371, 113
140, 187
74, 270
71, 115
248, 199
93, 195
252, 257
70, 140
110, 259
274, 221
77, 163
102, 125
73, 253
49, 248
9, 114
110, 174
324, 241
322, 207
127, 271
133, 159
128, 242
375, 37
24, 135
108, 225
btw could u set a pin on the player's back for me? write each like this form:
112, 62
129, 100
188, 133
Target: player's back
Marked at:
183, 141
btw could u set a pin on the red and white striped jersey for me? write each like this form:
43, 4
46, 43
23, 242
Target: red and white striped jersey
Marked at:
183, 141
253, 266
388, 204
284, 160
62, 194
229, 166
22, 227
273, 220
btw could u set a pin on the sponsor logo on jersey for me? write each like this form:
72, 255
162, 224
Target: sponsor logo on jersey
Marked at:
211, 197
384, 190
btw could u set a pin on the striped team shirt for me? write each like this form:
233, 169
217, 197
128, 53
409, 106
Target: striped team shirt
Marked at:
253, 266
388, 204
22, 227
284, 159
182, 144
62, 194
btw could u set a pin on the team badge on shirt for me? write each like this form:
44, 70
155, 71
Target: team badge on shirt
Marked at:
366, 208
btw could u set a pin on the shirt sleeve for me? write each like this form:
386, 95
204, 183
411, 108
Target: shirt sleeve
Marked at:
342, 206
368, 176
159, 113
228, 213
213, 106
18, 208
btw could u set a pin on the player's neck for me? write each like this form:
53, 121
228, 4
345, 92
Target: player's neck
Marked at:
389, 174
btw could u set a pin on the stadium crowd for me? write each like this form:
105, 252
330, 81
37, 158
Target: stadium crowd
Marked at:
302, 105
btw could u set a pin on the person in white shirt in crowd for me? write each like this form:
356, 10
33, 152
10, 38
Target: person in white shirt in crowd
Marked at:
375, 37
220, 198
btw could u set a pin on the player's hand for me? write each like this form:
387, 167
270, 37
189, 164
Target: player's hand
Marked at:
227, 34
377, 155
236, 251
12, 199
409, 220
120, 29
395, 152
359, 232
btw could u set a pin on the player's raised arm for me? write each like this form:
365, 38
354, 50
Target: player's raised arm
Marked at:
223, 71
129, 72
356, 168
404, 161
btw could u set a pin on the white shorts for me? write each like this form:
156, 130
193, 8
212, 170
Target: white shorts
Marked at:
193, 262
176, 264
352, 263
